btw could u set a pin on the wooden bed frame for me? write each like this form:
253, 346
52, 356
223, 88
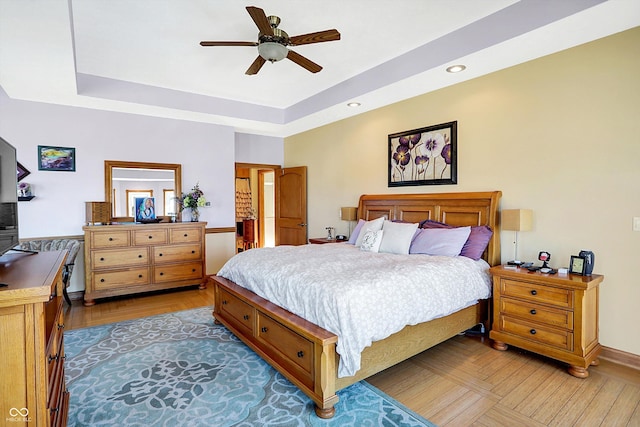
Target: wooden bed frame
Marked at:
305, 353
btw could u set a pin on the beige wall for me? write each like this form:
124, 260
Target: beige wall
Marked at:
559, 135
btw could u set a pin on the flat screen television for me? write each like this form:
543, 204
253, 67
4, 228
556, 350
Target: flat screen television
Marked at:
8, 196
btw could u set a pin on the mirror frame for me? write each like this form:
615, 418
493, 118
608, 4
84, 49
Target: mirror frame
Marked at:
108, 175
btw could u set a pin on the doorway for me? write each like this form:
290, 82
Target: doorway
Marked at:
255, 205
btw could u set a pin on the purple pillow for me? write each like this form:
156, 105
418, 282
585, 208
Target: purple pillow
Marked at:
476, 243
355, 232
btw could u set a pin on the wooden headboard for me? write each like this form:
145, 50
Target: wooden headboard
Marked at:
459, 209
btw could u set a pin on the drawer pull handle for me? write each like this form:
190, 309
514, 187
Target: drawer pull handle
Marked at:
193, 252
150, 237
101, 280
139, 276
140, 256
534, 292
533, 312
224, 302
160, 254
111, 239
245, 317
264, 329
193, 270
185, 235
101, 259
533, 332
162, 273
301, 353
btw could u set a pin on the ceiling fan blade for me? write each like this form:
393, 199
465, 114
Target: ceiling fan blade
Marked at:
320, 36
255, 67
303, 62
260, 18
223, 43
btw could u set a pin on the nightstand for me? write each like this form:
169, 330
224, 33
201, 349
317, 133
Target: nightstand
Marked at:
323, 240
549, 314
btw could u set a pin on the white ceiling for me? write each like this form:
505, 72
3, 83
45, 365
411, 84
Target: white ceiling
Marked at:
144, 57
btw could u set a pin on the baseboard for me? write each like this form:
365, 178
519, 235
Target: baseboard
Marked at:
77, 295
620, 357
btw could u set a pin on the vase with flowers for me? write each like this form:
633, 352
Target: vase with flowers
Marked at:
193, 200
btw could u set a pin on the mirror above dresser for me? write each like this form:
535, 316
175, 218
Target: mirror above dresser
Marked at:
124, 181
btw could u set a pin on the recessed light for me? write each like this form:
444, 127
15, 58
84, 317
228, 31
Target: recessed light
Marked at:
353, 104
456, 68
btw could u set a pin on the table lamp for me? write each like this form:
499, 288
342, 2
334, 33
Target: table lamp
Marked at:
517, 220
349, 214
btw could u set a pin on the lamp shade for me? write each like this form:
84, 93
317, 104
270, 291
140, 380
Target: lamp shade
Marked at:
348, 213
517, 219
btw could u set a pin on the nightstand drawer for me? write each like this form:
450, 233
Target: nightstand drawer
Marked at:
537, 313
537, 293
560, 338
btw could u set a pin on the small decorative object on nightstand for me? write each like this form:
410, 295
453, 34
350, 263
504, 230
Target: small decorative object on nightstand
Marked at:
555, 316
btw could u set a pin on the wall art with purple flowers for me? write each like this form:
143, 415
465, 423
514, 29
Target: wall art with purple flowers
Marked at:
425, 156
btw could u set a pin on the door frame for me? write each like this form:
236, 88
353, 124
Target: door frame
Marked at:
259, 167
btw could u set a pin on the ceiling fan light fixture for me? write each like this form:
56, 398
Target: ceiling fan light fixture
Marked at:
272, 51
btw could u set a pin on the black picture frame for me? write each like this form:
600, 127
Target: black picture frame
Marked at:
21, 171
424, 156
52, 158
577, 265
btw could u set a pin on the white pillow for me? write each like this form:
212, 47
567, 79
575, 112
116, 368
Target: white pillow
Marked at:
371, 240
397, 237
373, 225
440, 241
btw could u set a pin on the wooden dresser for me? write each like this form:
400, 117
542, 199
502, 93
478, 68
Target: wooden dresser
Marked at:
33, 390
133, 258
549, 314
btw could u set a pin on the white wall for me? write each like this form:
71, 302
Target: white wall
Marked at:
206, 152
267, 150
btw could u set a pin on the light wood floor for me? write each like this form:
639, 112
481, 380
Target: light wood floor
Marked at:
461, 382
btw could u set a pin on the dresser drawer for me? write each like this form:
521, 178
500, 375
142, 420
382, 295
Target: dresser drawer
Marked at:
149, 237
176, 253
111, 239
559, 338
120, 258
106, 280
55, 358
237, 312
169, 273
185, 235
56, 401
537, 293
286, 346
537, 313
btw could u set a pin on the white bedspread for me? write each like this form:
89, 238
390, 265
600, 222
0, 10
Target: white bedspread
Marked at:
359, 296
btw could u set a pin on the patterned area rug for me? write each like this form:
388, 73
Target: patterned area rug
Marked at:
180, 369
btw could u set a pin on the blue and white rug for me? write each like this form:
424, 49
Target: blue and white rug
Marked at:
180, 369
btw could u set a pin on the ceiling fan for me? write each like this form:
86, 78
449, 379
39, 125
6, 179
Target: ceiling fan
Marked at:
272, 42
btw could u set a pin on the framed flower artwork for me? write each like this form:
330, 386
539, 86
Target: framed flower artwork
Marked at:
425, 156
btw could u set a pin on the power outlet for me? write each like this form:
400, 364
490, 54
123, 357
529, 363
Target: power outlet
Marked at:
636, 223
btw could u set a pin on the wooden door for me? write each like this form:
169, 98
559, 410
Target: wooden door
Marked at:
291, 206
